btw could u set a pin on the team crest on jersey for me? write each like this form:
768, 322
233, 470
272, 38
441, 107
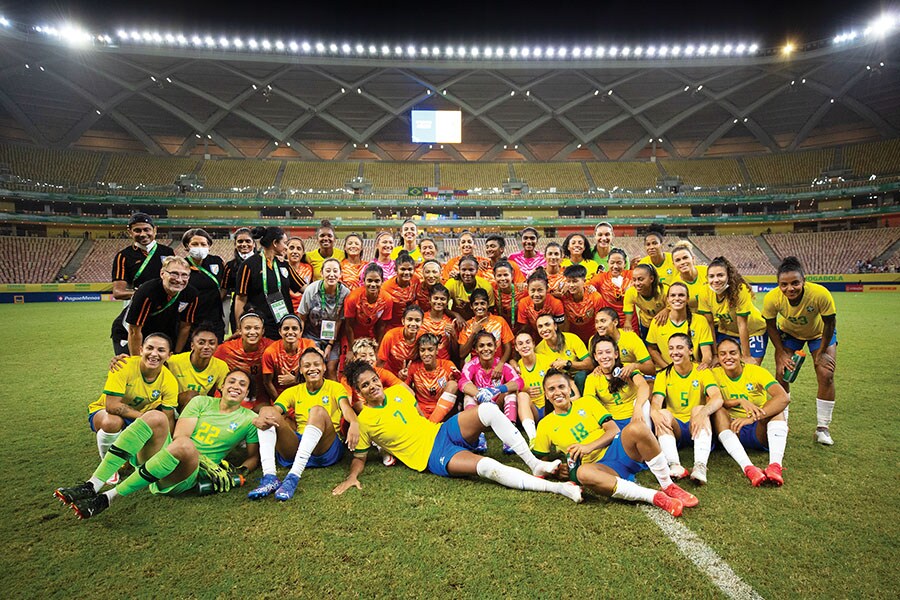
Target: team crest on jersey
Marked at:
214, 269
155, 394
325, 399
398, 399
695, 383
692, 332
750, 387
810, 309
442, 381
284, 271
582, 413
668, 271
624, 351
542, 373
182, 306
568, 353
233, 426
209, 378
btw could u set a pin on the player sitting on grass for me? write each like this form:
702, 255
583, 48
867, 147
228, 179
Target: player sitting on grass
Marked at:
753, 415
316, 405
208, 429
684, 399
391, 419
600, 457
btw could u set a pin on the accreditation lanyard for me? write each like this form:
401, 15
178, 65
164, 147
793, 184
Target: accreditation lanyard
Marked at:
207, 273
276, 298
168, 304
329, 326
265, 273
147, 260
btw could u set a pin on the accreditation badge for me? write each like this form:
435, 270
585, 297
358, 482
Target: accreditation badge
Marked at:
328, 330
276, 303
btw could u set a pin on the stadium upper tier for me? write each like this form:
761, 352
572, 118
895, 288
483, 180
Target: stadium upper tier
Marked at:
29, 167
821, 253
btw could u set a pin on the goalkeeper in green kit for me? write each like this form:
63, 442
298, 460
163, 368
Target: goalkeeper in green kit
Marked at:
208, 429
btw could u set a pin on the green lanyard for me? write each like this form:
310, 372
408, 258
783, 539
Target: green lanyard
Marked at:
265, 274
146, 261
205, 272
512, 304
337, 292
168, 304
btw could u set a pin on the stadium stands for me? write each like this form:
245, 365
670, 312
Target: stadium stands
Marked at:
789, 168
718, 172
628, 175
564, 177
132, 169
97, 265
833, 251
317, 176
61, 167
233, 173
395, 176
741, 250
470, 176
876, 158
34, 260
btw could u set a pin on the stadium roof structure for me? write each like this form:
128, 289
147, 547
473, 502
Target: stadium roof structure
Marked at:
547, 108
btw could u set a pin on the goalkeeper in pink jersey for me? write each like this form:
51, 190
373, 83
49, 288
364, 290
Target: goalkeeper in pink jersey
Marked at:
486, 379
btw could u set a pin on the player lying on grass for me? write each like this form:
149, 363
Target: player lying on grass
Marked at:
684, 399
390, 418
600, 457
316, 406
208, 429
753, 415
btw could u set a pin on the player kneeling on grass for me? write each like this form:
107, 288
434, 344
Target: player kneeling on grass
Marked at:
753, 415
208, 429
600, 456
391, 419
683, 400
317, 405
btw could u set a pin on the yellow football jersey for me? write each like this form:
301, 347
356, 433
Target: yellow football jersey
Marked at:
682, 393
752, 385
725, 316
573, 350
667, 271
632, 348
316, 260
647, 307
398, 427
698, 330
696, 288
302, 400
583, 424
803, 321
619, 404
189, 378
129, 384
534, 377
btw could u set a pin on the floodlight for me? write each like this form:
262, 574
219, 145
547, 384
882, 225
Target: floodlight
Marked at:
551, 51
320, 47
626, 51
223, 42
294, 46
170, 39
576, 52
411, 50
474, 50
714, 49
588, 52
279, 45
209, 41
435, 51
373, 49
513, 52
4, 21
676, 50
689, 50
305, 46
561, 53
526, 52
787, 48
333, 48
651, 51
753, 48
499, 52
601, 51
345, 48
613, 51
883, 25
197, 41
488, 52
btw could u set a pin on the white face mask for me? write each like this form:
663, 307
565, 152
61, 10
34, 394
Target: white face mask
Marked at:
146, 248
246, 256
198, 253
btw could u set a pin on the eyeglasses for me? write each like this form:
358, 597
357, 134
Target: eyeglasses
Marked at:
177, 275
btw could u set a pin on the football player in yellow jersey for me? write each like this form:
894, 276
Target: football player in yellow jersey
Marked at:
662, 261
799, 313
532, 369
624, 393
318, 404
141, 384
198, 372
693, 275
647, 294
632, 349
601, 457
683, 401
753, 414
727, 304
680, 319
391, 419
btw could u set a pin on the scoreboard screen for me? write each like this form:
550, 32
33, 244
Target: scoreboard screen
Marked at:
436, 126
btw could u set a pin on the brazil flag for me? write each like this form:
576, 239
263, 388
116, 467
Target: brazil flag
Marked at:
416, 192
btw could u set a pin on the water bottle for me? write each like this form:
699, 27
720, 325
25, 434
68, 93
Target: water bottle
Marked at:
790, 375
205, 485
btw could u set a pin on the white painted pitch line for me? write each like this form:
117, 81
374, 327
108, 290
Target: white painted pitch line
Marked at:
704, 557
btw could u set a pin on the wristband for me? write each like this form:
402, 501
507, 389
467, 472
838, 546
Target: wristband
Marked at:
503, 389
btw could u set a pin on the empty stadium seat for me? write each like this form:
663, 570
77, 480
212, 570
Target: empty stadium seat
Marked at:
833, 251
33, 259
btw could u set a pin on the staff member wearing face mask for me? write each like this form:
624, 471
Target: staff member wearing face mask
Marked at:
207, 272
138, 263
244, 248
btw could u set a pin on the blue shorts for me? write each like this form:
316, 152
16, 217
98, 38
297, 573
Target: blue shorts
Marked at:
622, 423
448, 443
540, 413
758, 343
330, 457
94, 429
642, 331
618, 460
793, 344
685, 439
748, 438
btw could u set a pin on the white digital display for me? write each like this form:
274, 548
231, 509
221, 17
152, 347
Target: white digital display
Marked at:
436, 126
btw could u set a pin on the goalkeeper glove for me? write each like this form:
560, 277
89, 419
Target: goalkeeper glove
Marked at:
221, 479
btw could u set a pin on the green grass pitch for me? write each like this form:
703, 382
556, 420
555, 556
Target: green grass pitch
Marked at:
830, 532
